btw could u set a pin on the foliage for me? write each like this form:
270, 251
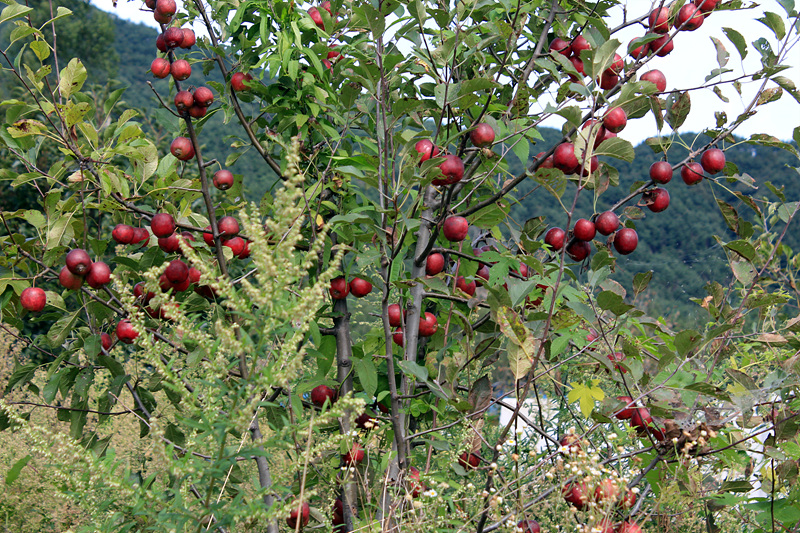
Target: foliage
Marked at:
224, 381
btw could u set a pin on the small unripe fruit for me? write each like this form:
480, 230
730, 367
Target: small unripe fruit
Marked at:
584, 230
606, 223
162, 225
78, 262
182, 148
160, 67
33, 299
238, 81
223, 179
181, 70
434, 264
360, 287
692, 173
661, 172
455, 228
203, 97
554, 238
99, 275
339, 288
122, 234
69, 280
713, 160
482, 135
625, 241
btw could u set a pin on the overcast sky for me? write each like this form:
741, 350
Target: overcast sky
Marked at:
687, 66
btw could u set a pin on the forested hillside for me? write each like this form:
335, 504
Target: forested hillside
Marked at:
677, 245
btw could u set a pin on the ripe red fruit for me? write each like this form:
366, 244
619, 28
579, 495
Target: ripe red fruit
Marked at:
625, 240
659, 199
469, 460
299, 514
628, 500
548, 161
579, 43
125, 331
641, 419
363, 419
223, 179
578, 250
452, 170
239, 81
78, 262
122, 234
606, 223
615, 120
69, 280
713, 160
427, 149
354, 456
161, 44
333, 54
706, 6
321, 394
629, 527
692, 173
203, 97
166, 8
434, 264
339, 289
194, 275
617, 65
160, 67
626, 412
105, 341
428, 325
162, 18
177, 271
659, 20
608, 80
236, 244
482, 135
208, 237
554, 238
189, 38
397, 337
662, 46
578, 64
661, 172
360, 287
313, 12
561, 46
162, 225
576, 494
181, 70
455, 228
689, 18
395, 315
228, 226
170, 244
139, 235
99, 275
529, 526
183, 101
197, 112
656, 77
33, 299
467, 287
640, 51
584, 230
415, 486
564, 158
182, 148
615, 358
606, 492
173, 37
246, 252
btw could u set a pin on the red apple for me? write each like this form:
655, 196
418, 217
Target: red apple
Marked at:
140, 235
203, 97
455, 228
160, 67
576, 494
626, 412
529, 526
162, 18
398, 337
177, 271
428, 325
561, 46
606, 492
183, 101
162, 225
239, 81
125, 331
713, 160
427, 149
579, 44
625, 241
122, 234
354, 456
662, 46
339, 289
360, 287
105, 341
464, 286
228, 226
395, 315
98, 275
161, 44
617, 65
170, 244
181, 70
469, 460
661, 172
564, 158
78, 262
659, 20
299, 516
197, 112
608, 80
166, 7
68, 280
434, 264
706, 6
629, 527
313, 12
223, 179
692, 173
321, 394
640, 51
689, 18
482, 135
554, 238
578, 250
606, 223
415, 485
658, 199
189, 38
173, 37
452, 170
584, 230
364, 421
182, 148
641, 419
33, 299
615, 120
656, 77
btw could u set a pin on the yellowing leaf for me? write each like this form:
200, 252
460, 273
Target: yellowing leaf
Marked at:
586, 395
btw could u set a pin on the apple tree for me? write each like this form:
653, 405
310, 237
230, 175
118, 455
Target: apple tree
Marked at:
343, 352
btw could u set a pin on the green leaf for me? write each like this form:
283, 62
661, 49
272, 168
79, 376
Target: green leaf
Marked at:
13, 10
522, 346
611, 301
641, 281
738, 41
617, 148
367, 375
15, 470
72, 77
62, 328
586, 395
410, 368
41, 49
743, 248
788, 86
21, 375
730, 215
687, 340
774, 22
678, 107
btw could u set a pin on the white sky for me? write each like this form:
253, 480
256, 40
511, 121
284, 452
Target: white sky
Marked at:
693, 58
